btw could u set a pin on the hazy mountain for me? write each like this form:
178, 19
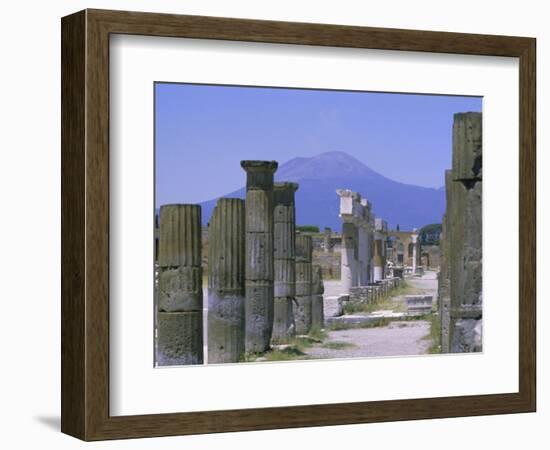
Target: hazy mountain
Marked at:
317, 203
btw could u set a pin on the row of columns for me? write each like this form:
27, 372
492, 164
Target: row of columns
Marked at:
262, 286
363, 256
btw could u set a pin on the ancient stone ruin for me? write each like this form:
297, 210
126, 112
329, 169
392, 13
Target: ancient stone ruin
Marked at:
226, 288
259, 273
302, 310
284, 252
179, 317
460, 287
265, 279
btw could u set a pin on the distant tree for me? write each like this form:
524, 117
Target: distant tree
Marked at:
308, 228
430, 234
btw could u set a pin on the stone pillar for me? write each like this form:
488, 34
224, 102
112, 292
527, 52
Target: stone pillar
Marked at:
347, 257
226, 282
284, 260
361, 255
465, 223
365, 245
377, 260
327, 240
259, 272
348, 213
444, 273
414, 240
317, 291
179, 318
302, 311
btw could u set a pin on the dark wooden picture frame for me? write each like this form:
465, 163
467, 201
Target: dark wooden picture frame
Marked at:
85, 224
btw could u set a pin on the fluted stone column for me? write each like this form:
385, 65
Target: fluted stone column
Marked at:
317, 291
259, 273
226, 238
179, 318
284, 260
302, 311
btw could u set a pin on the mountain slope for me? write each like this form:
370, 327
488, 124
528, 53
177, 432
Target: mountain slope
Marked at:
317, 203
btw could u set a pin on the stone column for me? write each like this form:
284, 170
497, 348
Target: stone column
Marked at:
377, 260
444, 273
414, 240
366, 245
348, 212
284, 260
361, 255
347, 257
302, 311
179, 318
465, 223
226, 282
327, 240
259, 272
317, 291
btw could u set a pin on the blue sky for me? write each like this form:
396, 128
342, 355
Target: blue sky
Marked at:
203, 131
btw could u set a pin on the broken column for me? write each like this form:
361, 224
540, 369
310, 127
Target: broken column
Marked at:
378, 260
317, 291
327, 236
179, 318
367, 244
302, 309
284, 261
414, 240
348, 272
361, 248
465, 223
259, 272
226, 292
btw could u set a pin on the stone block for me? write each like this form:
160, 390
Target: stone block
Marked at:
302, 314
258, 315
317, 312
225, 327
259, 251
467, 146
283, 322
180, 289
419, 304
180, 340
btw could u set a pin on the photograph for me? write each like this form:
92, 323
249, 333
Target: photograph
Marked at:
298, 224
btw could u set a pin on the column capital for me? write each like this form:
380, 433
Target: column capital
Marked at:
259, 174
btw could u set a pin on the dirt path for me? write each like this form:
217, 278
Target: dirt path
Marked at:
397, 338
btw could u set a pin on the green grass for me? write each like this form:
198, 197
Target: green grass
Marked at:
381, 322
338, 345
435, 334
386, 302
295, 349
317, 333
286, 354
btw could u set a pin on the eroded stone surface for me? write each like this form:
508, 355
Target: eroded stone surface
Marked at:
179, 338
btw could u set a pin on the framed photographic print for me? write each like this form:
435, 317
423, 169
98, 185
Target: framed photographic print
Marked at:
272, 225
